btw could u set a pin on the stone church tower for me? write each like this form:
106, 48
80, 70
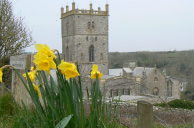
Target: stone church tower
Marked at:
85, 37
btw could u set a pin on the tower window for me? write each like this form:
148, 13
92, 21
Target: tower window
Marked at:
93, 24
67, 54
89, 25
82, 57
101, 56
67, 27
86, 38
91, 53
96, 38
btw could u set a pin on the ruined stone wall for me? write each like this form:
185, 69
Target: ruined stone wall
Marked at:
175, 88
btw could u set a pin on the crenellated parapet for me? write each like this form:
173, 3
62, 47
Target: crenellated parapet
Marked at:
84, 12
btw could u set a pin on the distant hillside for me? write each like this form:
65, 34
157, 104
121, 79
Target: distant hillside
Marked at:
176, 63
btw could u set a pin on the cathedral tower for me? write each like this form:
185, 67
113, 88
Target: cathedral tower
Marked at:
85, 37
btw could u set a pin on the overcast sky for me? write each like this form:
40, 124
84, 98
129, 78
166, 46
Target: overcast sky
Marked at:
134, 25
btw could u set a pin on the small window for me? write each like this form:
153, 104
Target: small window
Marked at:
67, 27
89, 25
115, 93
86, 38
93, 24
127, 91
155, 79
91, 53
101, 56
110, 93
82, 57
96, 38
156, 91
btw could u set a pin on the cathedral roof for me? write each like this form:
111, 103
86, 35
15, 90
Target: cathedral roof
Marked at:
116, 72
138, 71
127, 70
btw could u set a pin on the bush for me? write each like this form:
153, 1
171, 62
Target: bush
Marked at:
7, 106
181, 104
160, 104
178, 104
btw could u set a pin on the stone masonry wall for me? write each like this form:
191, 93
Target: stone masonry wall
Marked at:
151, 83
78, 45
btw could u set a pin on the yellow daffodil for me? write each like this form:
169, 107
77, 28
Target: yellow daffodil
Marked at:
95, 71
37, 90
68, 69
32, 68
44, 49
1, 74
32, 75
44, 62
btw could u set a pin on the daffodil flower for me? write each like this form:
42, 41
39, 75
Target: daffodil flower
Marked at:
1, 74
94, 72
37, 90
32, 75
68, 69
45, 49
44, 62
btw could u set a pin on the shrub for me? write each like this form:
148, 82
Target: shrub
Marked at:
178, 104
181, 104
160, 104
7, 106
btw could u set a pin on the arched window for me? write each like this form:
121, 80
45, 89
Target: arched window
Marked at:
169, 88
155, 79
156, 91
67, 53
91, 53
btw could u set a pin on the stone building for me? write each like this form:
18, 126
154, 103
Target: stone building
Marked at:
85, 37
85, 40
147, 82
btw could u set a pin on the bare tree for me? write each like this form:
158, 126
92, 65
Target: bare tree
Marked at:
14, 36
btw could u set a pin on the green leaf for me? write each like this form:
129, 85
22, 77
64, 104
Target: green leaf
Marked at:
63, 122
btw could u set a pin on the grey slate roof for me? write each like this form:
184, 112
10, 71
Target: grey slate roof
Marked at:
116, 72
127, 70
138, 71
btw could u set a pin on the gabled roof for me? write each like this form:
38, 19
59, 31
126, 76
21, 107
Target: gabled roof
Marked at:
127, 70
116, 72
138, 71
